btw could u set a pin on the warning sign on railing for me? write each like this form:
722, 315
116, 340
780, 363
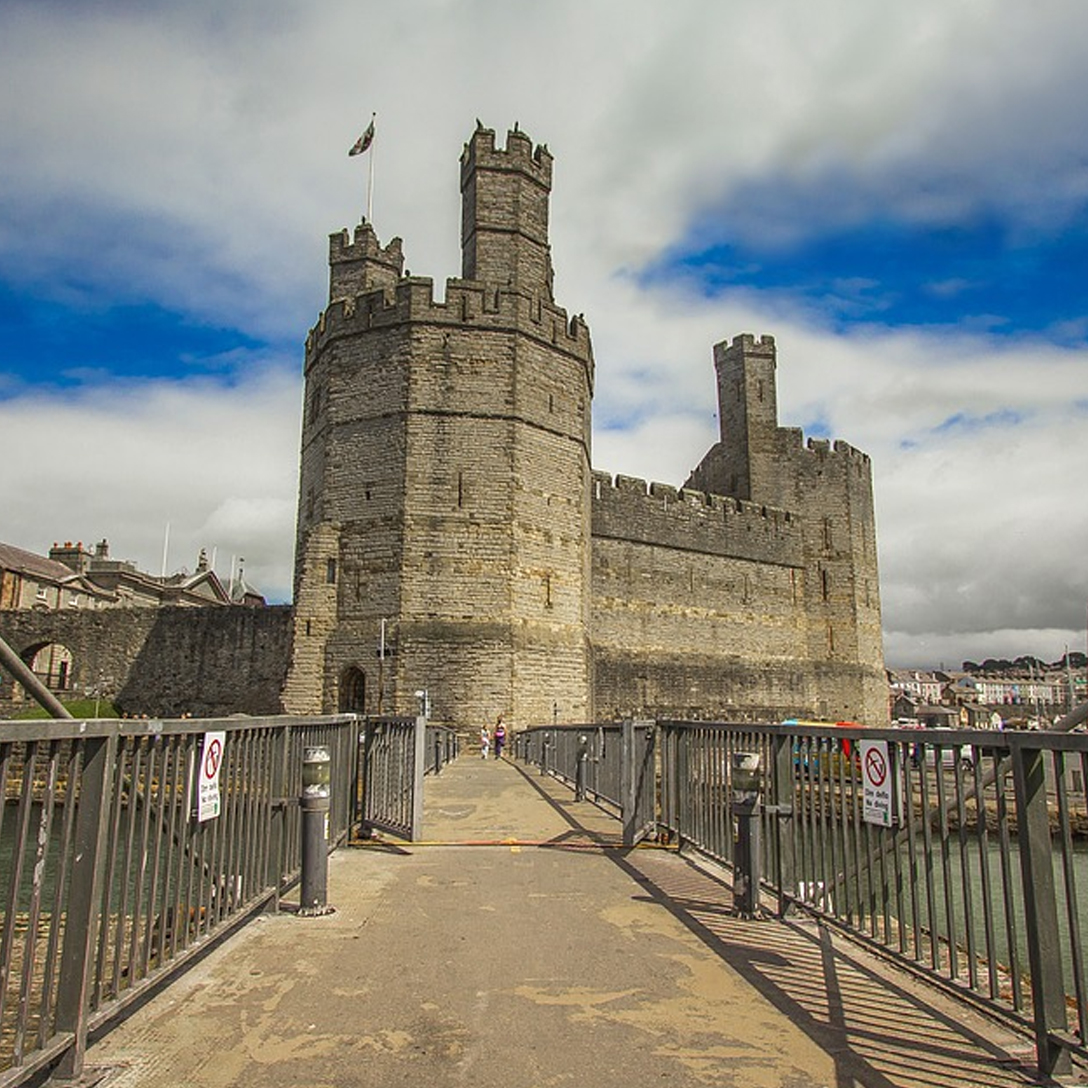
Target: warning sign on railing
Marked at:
211, 759
881, 794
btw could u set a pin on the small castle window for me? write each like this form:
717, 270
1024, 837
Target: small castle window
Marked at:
330, 571
825, 584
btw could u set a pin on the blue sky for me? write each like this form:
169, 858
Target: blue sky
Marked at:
899, 195
977, 273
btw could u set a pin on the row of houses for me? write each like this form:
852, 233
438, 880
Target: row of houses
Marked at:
943, 699
72, 576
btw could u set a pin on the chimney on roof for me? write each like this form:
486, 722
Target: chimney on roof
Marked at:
72, 556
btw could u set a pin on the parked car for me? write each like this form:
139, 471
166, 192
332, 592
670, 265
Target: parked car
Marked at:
948, 755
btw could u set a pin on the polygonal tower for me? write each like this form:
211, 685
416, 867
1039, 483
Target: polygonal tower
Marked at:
831, 486
443, 540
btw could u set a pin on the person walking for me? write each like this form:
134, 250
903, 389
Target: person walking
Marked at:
500, 737
485, 741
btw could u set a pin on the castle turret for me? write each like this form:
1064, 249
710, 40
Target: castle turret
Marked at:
748, 412
362, 264
443, 528
831, 487
504, 212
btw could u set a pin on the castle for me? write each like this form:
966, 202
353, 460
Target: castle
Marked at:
453, 537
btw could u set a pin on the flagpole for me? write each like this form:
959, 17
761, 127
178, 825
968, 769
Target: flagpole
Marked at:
370, 184
362, 146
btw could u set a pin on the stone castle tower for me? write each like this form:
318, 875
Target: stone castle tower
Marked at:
831, 487
443, 528
454, 539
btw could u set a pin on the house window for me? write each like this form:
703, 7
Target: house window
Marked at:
330, 571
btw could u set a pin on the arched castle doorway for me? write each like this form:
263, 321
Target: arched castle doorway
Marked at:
353, 691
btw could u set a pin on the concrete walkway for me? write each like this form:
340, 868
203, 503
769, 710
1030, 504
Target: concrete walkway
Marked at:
528, 966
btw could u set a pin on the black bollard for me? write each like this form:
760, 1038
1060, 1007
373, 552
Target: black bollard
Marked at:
314, 803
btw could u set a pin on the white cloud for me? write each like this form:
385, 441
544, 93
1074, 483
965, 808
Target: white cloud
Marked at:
218, 465
194, 156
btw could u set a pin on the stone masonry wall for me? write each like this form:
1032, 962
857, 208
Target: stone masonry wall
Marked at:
698, 605
165, 662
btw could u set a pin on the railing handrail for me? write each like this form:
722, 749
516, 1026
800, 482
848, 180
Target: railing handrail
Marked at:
116, 875
72, 728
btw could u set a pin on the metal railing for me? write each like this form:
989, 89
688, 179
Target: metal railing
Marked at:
109, 881
443, 746
973, 878
558, 750
389, 792
611, 764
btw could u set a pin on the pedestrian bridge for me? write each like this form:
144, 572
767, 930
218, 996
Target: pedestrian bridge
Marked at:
540, 930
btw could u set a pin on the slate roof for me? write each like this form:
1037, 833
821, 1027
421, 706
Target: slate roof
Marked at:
40, 566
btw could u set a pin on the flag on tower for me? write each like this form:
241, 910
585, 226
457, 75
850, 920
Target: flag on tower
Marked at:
364, 141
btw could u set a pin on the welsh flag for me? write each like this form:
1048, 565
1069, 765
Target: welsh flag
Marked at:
364, 141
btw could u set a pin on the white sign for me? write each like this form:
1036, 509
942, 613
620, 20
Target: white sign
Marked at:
211, 759
879, 783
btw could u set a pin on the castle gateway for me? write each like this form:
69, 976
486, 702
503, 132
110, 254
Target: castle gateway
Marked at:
454, 539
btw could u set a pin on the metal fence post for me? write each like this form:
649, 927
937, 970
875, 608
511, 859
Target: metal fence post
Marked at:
418, 760
628, 783
782, 843
1040, 910
80, 930
580, 767
276, 857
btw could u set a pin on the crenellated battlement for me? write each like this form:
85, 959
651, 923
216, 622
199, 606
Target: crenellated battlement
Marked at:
467, 303
628, 508
362, 263
364, 245
823, 449
480, 153
748, 344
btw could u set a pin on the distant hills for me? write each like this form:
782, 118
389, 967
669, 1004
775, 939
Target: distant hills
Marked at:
1025, 664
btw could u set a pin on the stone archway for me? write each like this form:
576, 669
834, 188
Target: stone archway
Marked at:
52, 664
353, 691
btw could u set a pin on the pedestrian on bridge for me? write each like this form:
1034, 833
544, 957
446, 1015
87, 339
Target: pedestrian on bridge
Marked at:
485, 741
500, 737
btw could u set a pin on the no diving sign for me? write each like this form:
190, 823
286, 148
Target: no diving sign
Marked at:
211, 759
880, 798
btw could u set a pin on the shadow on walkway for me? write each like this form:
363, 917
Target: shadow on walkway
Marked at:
571, 961
882, 1026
